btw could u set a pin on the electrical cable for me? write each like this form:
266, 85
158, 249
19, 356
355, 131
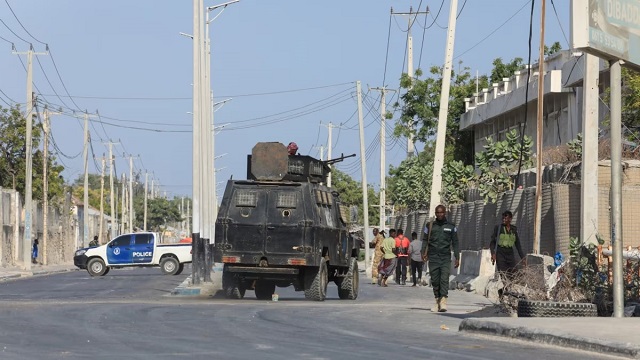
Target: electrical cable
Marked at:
19, 22
219, 96
13, 32
386, 60
526, 98
495, 30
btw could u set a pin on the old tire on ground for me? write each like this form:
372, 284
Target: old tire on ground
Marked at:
180, 269
231, 286
535, 308
169, 266
315, 282
96, 267
264, 289
348, 287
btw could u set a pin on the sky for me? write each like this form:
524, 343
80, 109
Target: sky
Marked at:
288, 66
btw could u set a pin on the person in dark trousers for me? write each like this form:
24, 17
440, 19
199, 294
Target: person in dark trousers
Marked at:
415, 249
442, 236
402, 248
503, 240
34, 252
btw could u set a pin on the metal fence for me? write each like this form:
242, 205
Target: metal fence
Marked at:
560, 218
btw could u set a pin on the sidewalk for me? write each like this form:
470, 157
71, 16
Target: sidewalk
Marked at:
612, 336
7, 273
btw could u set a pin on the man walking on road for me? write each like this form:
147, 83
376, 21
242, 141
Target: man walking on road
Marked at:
442, 236
416, 259
388, 263
402, 245
378, 238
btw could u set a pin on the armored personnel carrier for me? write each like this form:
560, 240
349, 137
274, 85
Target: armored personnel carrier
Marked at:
283, 227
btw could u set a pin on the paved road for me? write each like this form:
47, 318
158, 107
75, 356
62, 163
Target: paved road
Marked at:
128, 314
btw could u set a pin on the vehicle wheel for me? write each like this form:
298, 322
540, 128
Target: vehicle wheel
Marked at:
106, 271
232, 287
348, 287
180, 268
96, 267
531, 308
315, 282
264, 289
169, 266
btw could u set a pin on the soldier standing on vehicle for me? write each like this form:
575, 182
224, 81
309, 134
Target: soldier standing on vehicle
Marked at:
378, 238
503, 240
441, 238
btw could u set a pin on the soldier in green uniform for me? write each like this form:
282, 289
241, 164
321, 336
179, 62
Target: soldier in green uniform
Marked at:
442, 236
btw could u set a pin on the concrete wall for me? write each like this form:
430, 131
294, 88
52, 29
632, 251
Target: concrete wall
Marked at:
61, 242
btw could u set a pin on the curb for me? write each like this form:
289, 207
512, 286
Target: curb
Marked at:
12, 276
549, 337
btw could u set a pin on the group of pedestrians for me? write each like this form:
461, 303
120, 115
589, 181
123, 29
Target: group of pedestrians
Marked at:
394, 253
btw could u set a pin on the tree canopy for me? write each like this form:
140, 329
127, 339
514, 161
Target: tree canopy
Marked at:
13, 130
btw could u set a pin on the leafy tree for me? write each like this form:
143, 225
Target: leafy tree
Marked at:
94, 192
501, 70
351, 195
160, 211
420, 109
13, 157
456, 178
555, 47
409, 184
499, 161
631, 101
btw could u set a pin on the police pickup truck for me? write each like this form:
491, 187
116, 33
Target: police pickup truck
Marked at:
136, 249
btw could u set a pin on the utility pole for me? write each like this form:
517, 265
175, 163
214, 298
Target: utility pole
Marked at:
412, 18
131, 192
45, 181
383, 150
28, 193
589, 165
85, 231
321, 147
539, 136
124, 207
363, 168
114, 217
616, 188
196, 133
438, 160
101, 233
146, 181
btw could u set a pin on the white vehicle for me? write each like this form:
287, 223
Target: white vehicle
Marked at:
136, 249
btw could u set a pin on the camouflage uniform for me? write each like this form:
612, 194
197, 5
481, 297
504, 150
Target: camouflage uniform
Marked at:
377, 256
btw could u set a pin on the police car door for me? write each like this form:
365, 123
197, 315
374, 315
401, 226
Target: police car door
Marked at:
285, 214
142, 249
119, 250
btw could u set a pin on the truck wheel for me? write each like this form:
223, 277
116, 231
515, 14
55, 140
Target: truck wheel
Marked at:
348, 288
264, 290
232, 287
180, 268
315, 282
169, 266
106, 271
96, 267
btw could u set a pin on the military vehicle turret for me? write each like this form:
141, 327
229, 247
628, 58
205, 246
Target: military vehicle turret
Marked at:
283, 227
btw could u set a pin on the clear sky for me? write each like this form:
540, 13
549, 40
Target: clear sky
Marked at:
289, 66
